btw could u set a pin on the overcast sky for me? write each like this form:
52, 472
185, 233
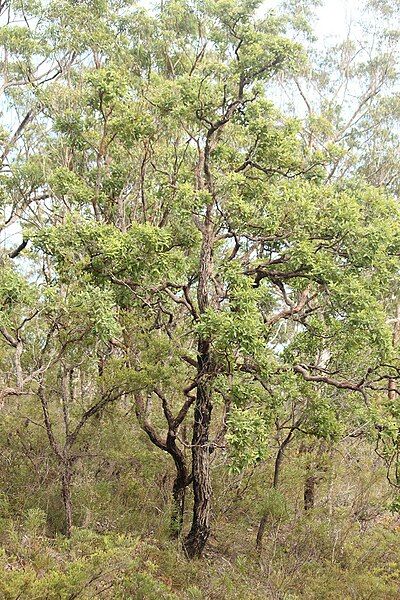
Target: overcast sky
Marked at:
335, 16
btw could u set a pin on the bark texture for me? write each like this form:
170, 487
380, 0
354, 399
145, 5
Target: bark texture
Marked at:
200, 529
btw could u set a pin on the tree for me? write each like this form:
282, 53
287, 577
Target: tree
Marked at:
227, 274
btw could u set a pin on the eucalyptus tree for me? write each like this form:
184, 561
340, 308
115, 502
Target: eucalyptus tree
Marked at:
244, 279
102, 141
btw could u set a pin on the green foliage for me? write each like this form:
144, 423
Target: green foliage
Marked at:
321, 418
248, 434
274, 506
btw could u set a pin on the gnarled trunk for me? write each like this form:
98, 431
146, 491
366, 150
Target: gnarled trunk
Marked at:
181, 482
169, 445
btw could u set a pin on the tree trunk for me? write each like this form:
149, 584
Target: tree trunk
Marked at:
182, 478
309, 492
178, 493
260, 531
200, 530
278, 461
314, 475
67, 499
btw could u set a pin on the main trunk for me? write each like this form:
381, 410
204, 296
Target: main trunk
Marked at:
309, 492
200, 530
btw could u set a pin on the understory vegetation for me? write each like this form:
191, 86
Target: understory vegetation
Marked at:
346, 547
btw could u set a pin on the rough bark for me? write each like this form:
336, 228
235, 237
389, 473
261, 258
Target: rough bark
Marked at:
169, 445
200, 529
309, 492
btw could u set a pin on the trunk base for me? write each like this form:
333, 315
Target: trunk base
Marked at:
195, 542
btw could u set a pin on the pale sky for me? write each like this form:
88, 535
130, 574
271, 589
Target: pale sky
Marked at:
335, 16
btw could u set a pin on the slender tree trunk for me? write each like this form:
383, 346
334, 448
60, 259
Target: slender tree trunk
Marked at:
66, 480
64, 461
278, 461
200, 530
